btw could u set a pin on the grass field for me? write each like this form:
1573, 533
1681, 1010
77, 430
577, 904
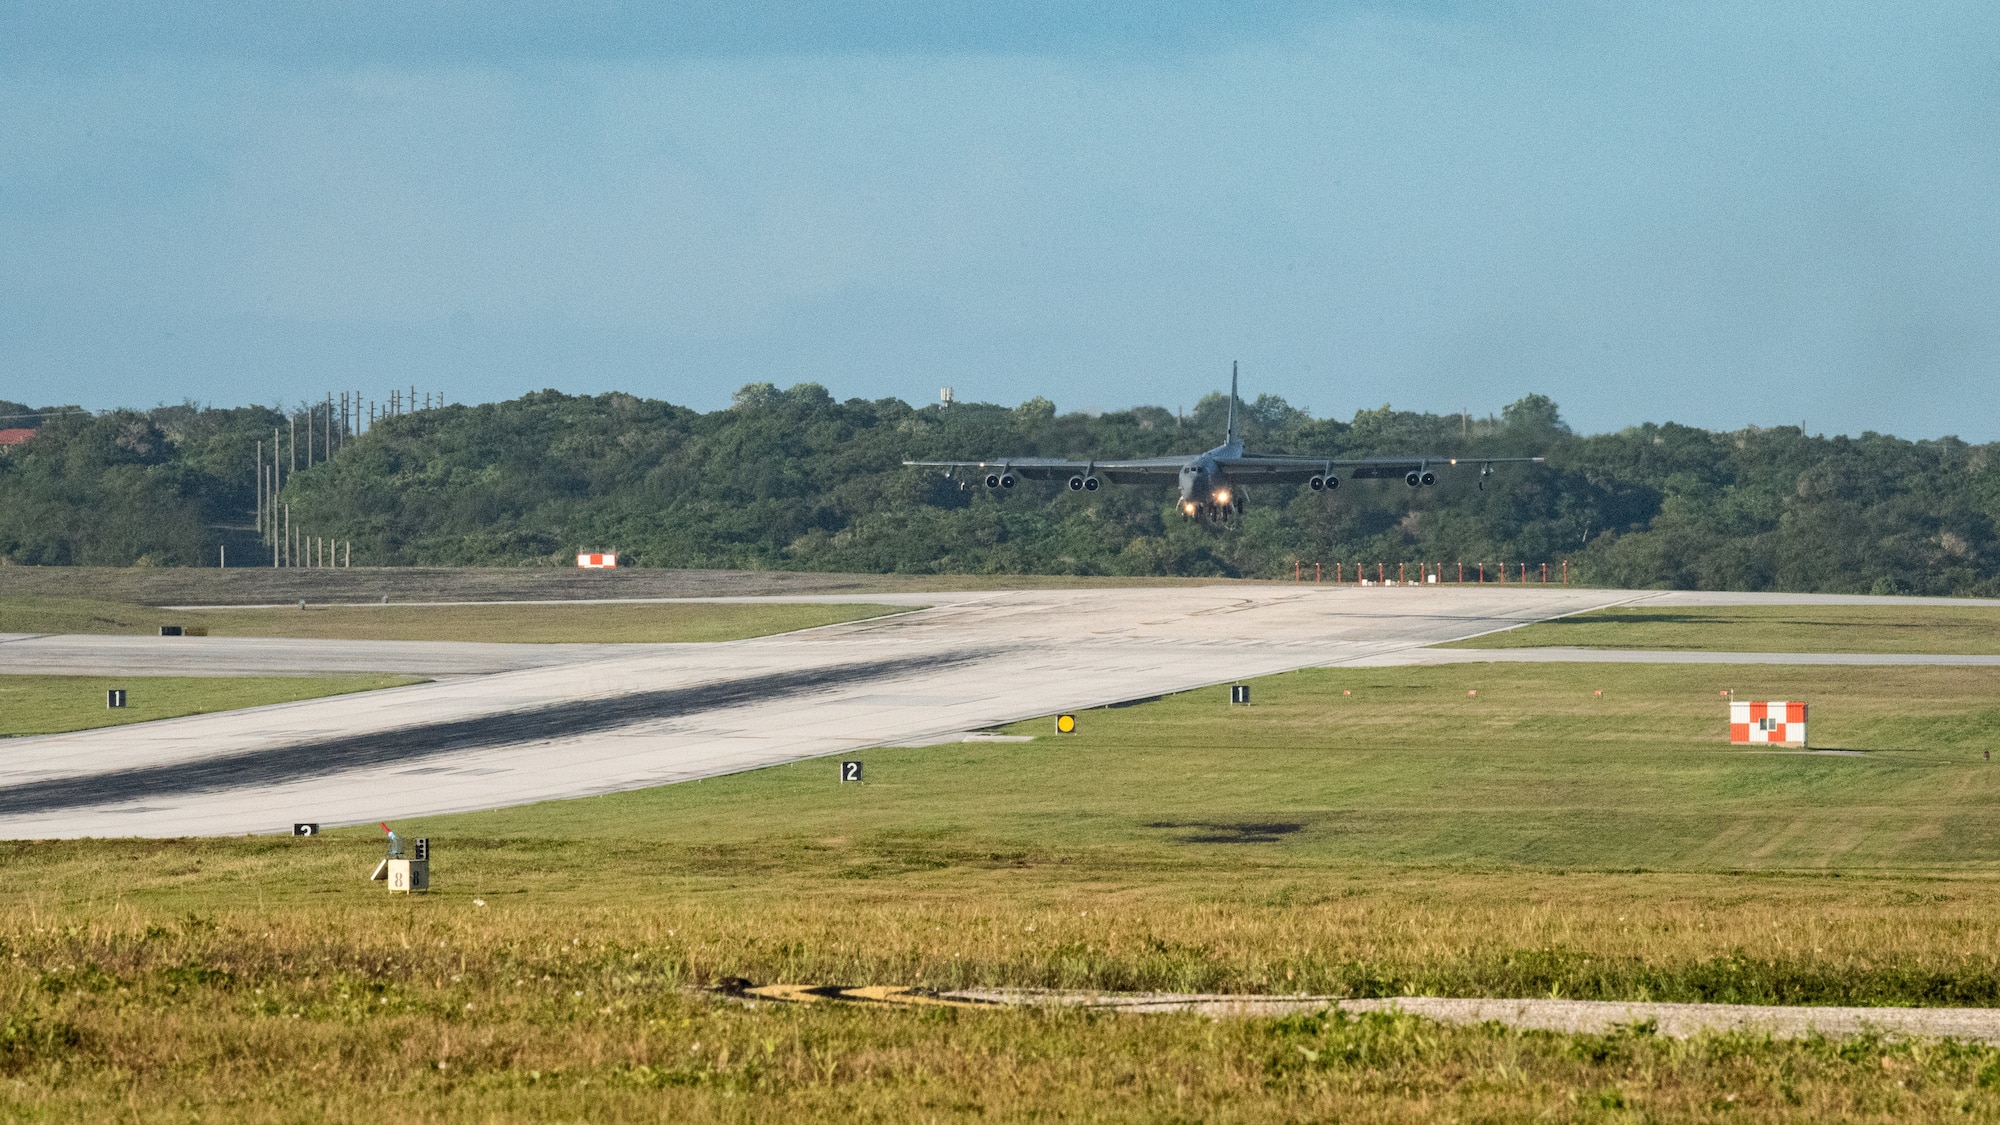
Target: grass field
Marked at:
1534, 839
1947, 630
51, 704
526, 624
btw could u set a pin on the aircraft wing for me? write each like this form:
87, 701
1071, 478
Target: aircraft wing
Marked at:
1287, 469
1051, 468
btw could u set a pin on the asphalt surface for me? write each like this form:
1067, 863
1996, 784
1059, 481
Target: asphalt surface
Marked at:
405, 746
512, 724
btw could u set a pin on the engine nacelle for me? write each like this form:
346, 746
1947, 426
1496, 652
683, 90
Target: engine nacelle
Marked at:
1006, 480
1429, 478
1090, 484
993, 480
1413, 480
1318, 482
1076, 484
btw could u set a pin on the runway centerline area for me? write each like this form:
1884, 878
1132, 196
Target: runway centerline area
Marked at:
522, 723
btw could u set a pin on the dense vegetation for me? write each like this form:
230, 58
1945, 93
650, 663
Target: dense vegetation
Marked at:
794, 479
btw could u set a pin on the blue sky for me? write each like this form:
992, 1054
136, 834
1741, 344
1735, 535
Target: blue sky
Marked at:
1712, 213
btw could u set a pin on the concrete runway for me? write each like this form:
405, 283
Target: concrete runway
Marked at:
511, 724
521, 723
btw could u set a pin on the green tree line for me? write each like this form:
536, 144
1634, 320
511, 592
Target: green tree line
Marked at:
793, 479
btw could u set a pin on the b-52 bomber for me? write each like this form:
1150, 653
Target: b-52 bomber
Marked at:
1214, 483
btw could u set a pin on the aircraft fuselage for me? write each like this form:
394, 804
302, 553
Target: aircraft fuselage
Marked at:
1206, 489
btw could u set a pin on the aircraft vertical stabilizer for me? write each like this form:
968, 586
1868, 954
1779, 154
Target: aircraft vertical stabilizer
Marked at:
1229, 431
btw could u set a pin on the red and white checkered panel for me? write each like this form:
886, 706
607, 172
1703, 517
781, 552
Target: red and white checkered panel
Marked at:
1769, 722
597, 562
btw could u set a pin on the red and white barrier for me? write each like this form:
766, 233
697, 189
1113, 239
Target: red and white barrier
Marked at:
1780, 724
597, 562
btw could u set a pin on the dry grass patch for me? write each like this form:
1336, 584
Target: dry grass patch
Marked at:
333, 1001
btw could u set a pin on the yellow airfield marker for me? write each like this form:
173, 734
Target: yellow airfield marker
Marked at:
1065, 724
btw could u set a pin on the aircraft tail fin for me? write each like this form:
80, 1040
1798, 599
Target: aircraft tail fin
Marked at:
1229, 433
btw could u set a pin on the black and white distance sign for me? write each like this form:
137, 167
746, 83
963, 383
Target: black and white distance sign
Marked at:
423, 849
301, 828
115, 697
850, 771
1239, 693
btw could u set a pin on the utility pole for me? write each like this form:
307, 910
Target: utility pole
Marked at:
293, 421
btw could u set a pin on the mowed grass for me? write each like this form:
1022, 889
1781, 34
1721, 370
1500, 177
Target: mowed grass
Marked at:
1536, 839
52, 704
544, 623
1951, 630
1405, 766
